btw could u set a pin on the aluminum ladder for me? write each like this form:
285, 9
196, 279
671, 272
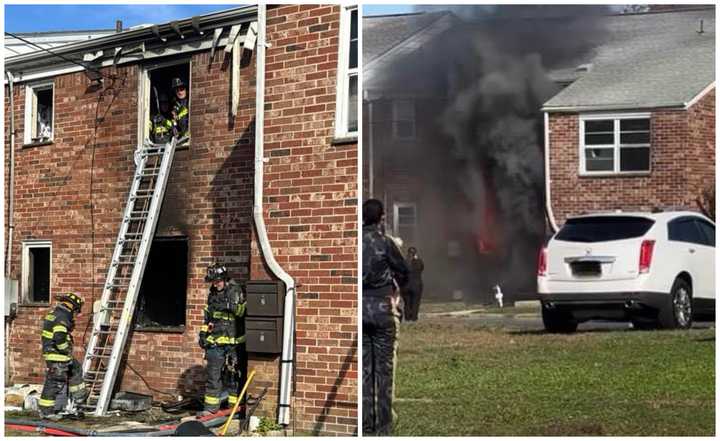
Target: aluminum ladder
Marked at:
117, 304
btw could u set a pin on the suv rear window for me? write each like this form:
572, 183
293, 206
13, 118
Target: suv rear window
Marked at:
603, 228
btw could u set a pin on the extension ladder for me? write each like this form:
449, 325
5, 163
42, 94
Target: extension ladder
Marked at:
117, 304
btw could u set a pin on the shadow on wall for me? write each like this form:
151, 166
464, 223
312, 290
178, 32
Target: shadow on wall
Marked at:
350, 360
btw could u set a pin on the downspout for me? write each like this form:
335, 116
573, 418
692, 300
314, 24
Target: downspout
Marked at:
548, 200
371, 150
11, 222
287, 359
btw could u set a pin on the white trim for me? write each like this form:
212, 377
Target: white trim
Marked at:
396, 217
548, 200
145, 93
616, 146
27, 121
343, 74
396, 119
700, 95
25, 266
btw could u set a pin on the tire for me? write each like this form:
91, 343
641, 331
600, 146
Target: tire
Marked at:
678, 312
558, 322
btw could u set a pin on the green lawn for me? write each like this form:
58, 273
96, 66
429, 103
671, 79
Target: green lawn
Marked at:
456, 378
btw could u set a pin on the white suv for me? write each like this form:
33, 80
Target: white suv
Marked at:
650, 268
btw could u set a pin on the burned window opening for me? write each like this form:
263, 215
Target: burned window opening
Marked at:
161, 88
39, 114
36, 269
163, 293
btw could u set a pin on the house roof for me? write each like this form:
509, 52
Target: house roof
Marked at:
648, 61
49, 40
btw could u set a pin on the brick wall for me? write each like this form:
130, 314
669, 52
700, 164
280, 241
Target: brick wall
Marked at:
310, 190
682, 161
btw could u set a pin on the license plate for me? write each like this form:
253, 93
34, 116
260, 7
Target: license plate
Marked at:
586, 269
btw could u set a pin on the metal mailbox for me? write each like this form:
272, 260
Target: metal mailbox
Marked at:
264, 334
265, 298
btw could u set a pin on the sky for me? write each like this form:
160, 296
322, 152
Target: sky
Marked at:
41, 18
386, 9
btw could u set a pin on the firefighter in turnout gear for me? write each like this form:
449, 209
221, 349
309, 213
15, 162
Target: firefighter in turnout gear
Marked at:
223, 338
180, 111
57, 347
162, 124
383, 269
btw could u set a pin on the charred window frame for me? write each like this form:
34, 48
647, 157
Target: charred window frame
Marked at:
404, 119
405, 221
616, 144
36, 272
162, 299
146, 103
39, 127
346, 113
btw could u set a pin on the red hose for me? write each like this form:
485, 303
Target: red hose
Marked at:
47, 430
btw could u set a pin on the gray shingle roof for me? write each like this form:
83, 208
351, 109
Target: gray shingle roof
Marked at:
383, 32
648, 60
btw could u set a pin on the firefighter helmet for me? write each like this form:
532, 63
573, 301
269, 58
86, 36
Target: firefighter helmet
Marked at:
216, 272
177, 82
75, 300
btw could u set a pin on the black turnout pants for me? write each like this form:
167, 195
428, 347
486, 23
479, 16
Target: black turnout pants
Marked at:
220, 378
59, 374
379, 336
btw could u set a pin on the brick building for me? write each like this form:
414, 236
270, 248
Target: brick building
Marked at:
635, 127
72, 176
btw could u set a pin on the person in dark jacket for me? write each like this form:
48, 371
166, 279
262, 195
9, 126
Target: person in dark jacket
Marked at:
223, 337
57, 347
412, 292
180, 111
383, 269
162, 123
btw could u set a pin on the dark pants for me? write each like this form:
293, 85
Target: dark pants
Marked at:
412, 304
222, 376
59, 374
379, 336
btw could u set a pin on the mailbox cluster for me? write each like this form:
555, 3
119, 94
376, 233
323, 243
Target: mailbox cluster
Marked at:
264, 318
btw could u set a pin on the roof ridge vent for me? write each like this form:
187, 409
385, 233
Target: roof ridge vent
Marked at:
701, 30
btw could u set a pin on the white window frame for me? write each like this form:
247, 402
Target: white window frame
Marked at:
145, 95
616, 146
30, 94
344, 73
396, 119
396, 218
25, 270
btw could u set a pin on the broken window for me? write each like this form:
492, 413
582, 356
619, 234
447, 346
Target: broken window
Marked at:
618, 144
36, 270
158, 87
163, 292
39, 113
405, 222
346, 123
404, 119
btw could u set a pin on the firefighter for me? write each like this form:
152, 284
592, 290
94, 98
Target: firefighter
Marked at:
383, 269
222, 336
413, 289
162, 123
57, 347
180, 111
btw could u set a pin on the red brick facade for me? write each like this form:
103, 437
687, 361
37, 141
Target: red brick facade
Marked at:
81, 181
682, 165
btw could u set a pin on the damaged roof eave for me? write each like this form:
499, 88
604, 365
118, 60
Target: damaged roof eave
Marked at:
39, 61
622, 107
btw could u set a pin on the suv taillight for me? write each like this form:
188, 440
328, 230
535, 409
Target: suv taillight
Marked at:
646, 253
542, 262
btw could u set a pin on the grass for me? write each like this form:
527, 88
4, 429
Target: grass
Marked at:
456, 378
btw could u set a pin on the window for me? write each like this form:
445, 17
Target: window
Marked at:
708, 230
346, 115
405, 222
36, 270
614, 144
685, 229
603, 228
39, 113
404, 119
163, 292
156, 86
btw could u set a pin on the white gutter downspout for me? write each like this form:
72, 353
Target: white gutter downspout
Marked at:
548, 200
287, 359
11, 187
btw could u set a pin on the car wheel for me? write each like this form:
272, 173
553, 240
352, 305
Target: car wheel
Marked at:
558, 322
677, 313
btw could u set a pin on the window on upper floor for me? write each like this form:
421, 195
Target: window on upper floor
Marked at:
39, 113
405, 222
346, 114
404, 119
164, 107
36, 270
614, 144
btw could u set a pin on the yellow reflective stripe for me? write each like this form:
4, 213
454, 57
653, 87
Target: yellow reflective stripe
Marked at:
182, 112
240, 310
224, 340
77, 387
46, 403
203, 328
232, 399
47, 334
59, 328
209, 399
223, 315
50, 317
240, 339
57, 357
63, 346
